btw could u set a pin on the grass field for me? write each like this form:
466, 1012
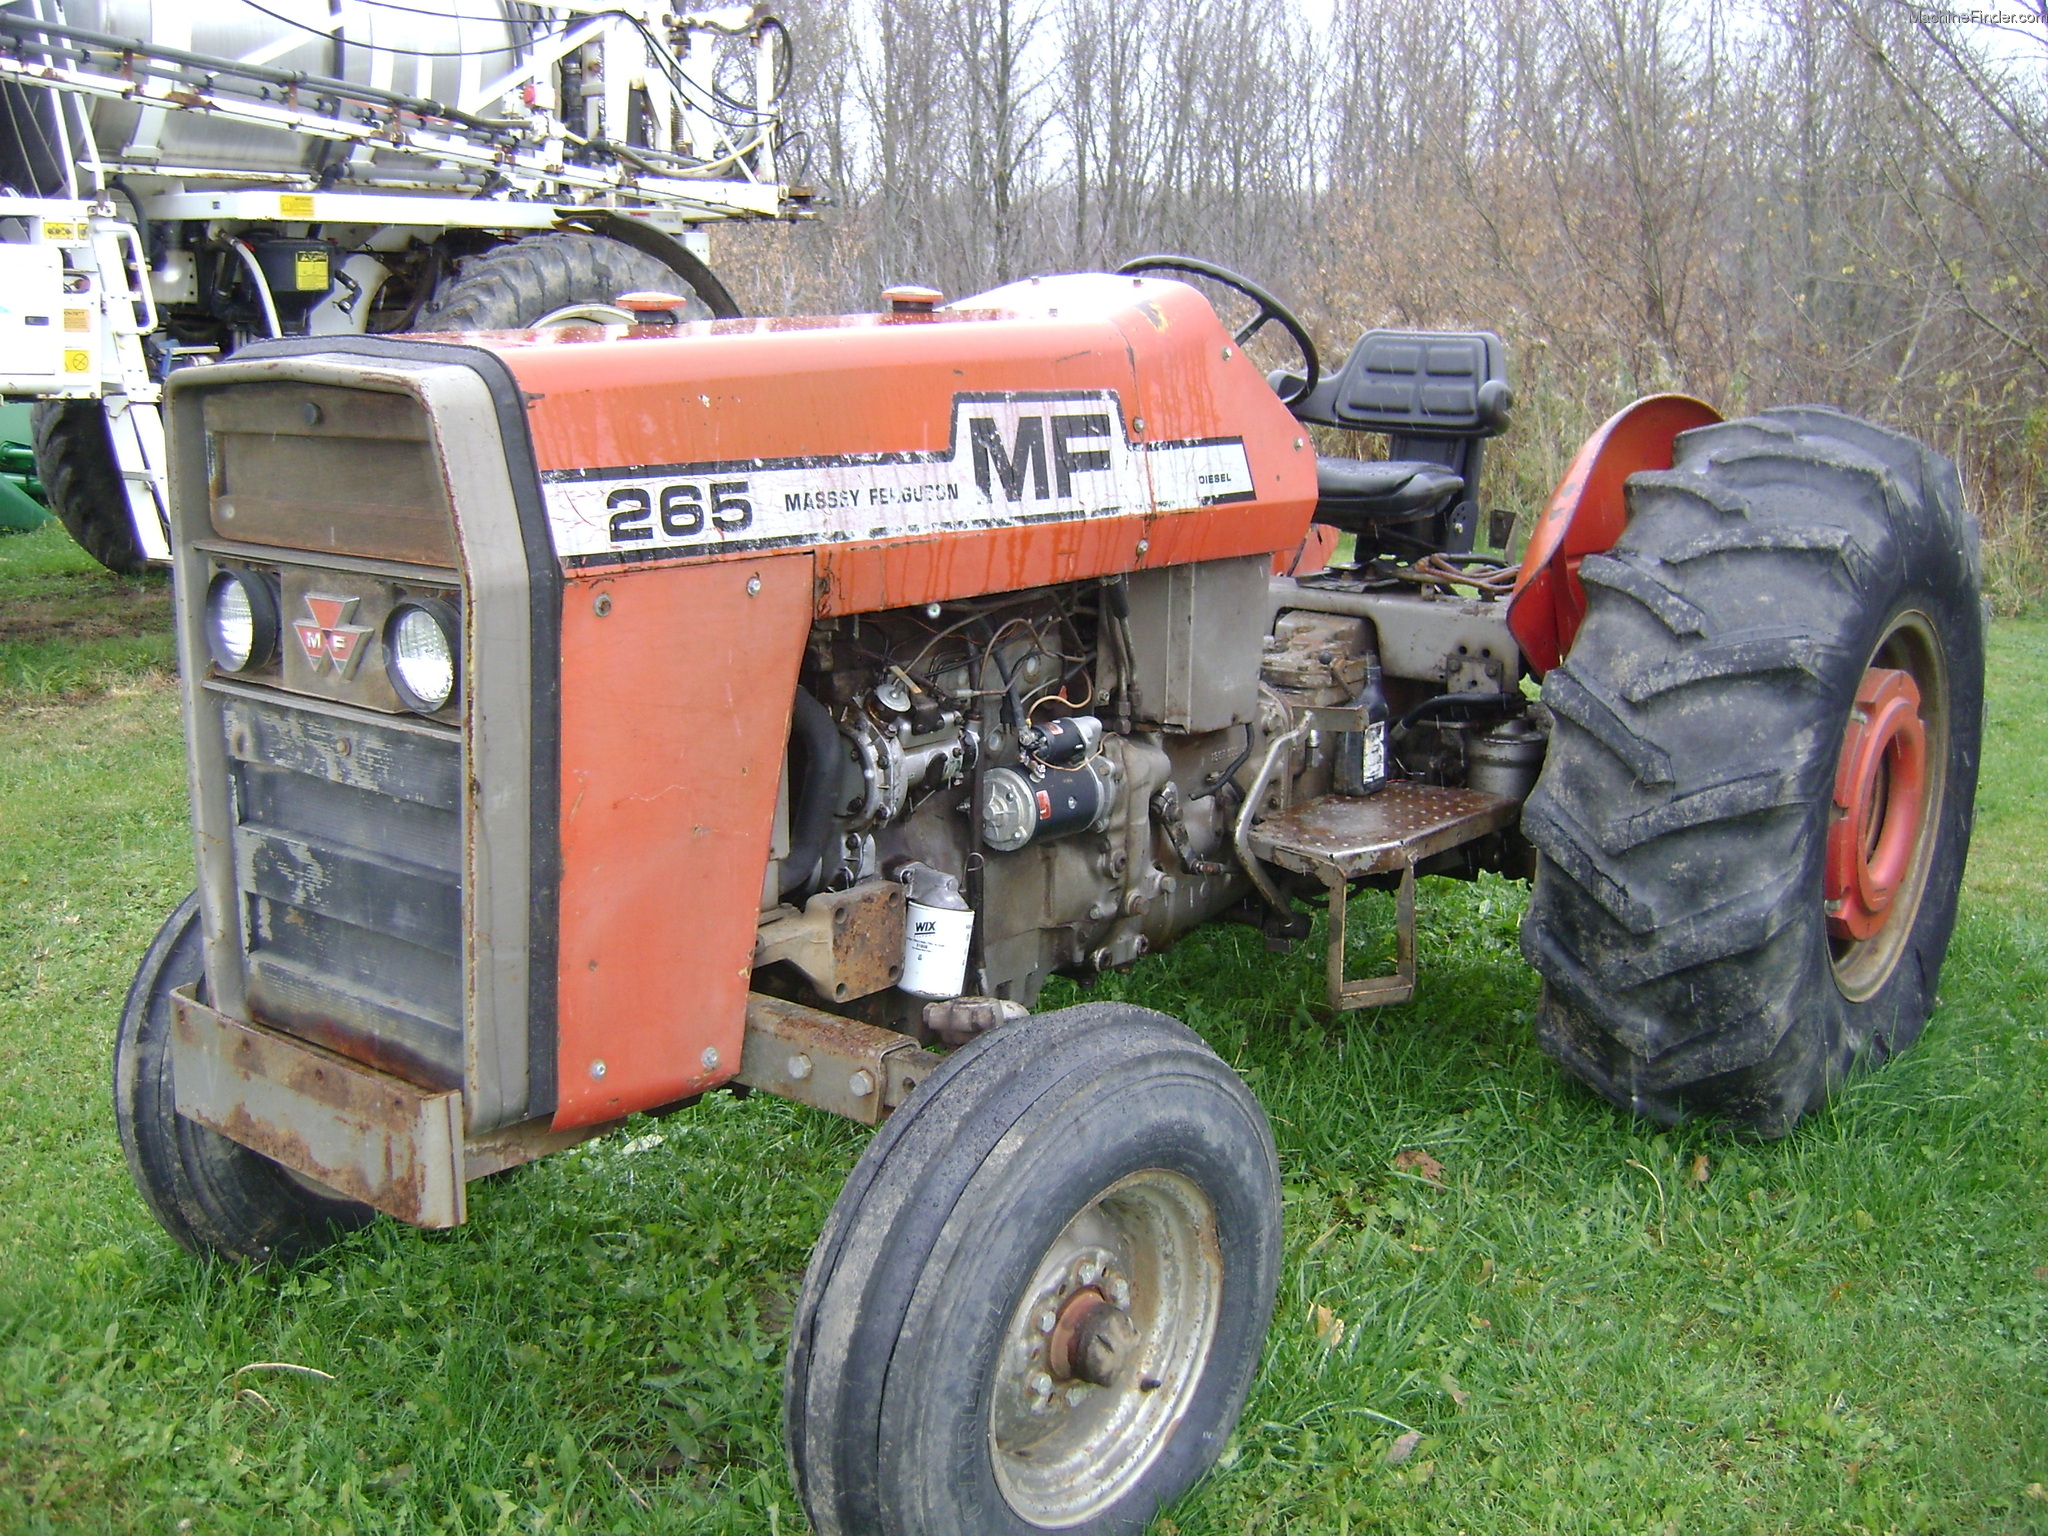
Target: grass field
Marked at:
1595, 1326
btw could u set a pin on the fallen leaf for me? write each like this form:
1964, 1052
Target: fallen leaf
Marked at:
280, 1365
396, 1477
2041, 1272
1419, 1163
1404, 1447
1458, 1394
1329, 1327
1485, 1270
1700, 1166
2037, 1493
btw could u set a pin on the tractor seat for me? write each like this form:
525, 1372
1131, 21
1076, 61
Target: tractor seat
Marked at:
1353, 492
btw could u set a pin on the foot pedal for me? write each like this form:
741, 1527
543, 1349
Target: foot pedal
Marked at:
1338, 839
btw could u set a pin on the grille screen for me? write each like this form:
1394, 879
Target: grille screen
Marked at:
348, 876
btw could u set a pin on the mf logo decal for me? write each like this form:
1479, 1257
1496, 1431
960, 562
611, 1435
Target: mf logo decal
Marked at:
1013, 459
328, 639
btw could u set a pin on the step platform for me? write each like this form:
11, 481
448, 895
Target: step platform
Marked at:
1342, 838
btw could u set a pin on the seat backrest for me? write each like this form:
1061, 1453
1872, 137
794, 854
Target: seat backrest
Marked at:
1437, 394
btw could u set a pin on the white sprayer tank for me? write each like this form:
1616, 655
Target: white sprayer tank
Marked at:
359, 51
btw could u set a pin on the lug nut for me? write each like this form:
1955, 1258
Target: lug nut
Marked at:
1048, 1320
1041, 1384
1120, 1291
1088, 1272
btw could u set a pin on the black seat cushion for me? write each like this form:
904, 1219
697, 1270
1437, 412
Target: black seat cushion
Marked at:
1354, 491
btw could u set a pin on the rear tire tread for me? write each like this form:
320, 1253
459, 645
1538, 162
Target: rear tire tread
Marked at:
1689, 757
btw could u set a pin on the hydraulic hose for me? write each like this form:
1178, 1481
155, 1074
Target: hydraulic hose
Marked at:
810, 828
1478, 703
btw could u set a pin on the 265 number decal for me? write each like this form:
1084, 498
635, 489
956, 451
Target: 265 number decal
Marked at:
682, 510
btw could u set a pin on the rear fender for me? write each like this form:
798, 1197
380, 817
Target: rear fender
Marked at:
1585, 515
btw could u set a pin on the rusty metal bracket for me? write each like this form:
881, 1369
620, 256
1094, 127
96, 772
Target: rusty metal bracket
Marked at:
1370, 991
513, 1145
366, 1134
847, 943
1342, 838
820, 1059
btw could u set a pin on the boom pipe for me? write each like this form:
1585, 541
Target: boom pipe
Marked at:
524, 164
28, 31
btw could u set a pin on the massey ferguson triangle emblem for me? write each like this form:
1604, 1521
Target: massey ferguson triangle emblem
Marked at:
328, 638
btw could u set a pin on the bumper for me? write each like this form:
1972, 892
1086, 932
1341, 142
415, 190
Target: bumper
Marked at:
363, 1133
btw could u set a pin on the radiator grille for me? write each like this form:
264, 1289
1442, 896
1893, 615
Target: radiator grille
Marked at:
348, 876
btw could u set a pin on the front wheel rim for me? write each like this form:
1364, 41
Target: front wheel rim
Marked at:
1143, 1257
1885, 815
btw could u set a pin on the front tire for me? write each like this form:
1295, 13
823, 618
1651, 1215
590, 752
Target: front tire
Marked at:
215, 1196
82, 480
1099, 1168
1696, 914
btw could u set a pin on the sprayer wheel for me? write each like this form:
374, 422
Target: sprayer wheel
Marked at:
554, 278
82, 481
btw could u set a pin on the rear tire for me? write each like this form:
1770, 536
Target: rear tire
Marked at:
1680, 914
1104, 1136
215, 1196
82, 482
525, 282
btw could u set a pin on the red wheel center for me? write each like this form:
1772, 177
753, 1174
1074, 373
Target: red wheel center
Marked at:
1880, 794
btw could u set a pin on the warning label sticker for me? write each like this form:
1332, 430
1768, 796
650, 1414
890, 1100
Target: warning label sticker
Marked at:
1014, 459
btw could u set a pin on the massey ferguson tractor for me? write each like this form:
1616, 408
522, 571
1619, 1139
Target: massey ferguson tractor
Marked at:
582, 720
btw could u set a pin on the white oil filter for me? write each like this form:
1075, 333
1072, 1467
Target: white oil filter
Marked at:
938, 932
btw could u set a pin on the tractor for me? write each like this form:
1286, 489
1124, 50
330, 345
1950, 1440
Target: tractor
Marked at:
581, 720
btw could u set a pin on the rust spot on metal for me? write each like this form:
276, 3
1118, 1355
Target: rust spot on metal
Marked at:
367, 1136
847, 944
829, 1062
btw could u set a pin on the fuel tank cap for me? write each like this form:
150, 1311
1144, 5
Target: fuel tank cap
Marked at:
910, 299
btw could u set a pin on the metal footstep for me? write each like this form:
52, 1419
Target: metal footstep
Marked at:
1339, 839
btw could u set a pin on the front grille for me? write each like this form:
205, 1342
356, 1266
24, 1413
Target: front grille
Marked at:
348, 880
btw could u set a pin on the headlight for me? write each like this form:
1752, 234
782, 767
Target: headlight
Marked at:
241, 620
419, 654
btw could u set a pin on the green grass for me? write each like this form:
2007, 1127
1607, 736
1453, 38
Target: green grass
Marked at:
1846, 1331
69, 629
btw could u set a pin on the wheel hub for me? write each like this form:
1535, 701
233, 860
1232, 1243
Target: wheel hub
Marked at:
1094, 1340
1880, 796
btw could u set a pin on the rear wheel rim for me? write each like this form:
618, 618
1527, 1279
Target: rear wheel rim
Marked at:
583, 314
1065, 1449
1886, 811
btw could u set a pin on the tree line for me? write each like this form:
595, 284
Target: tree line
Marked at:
1788, 200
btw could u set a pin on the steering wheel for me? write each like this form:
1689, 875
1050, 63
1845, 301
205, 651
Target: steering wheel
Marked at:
1270, 308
